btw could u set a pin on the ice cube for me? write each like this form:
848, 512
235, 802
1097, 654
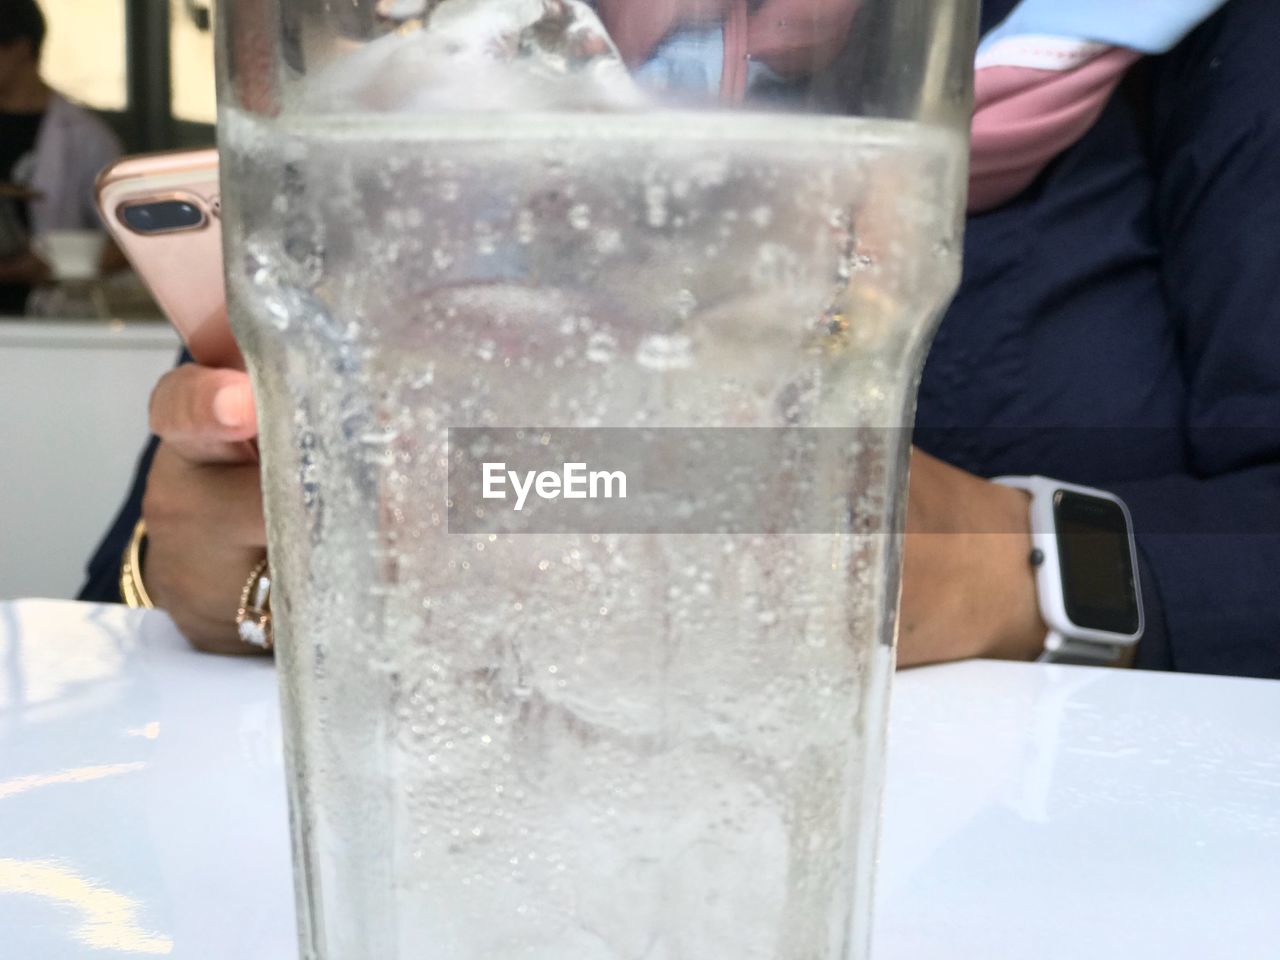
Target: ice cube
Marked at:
481, 55
401, 10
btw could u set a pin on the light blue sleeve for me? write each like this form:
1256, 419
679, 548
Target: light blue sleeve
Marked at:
687, 62
1147, 27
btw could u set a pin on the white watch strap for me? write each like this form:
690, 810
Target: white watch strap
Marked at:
1060, 649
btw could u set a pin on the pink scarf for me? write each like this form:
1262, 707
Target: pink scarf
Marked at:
1024, 117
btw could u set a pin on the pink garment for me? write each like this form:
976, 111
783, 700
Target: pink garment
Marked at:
788, 36
796, 36
637, 28
1024, 117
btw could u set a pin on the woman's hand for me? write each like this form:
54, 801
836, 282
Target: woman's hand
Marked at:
968, 587
203, 503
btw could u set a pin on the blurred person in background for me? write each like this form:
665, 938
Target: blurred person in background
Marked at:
51, 151
1116, 327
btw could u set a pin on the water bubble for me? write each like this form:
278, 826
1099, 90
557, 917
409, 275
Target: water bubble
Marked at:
379, 438
655, 198
526, 228
580, 216
686, 303
278, 311
425, 378
665, 352
601, 348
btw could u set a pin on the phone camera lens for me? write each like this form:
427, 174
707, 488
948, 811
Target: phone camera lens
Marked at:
162, 216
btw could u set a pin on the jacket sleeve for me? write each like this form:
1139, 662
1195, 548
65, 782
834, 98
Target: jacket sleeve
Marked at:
1210, 540
102, 580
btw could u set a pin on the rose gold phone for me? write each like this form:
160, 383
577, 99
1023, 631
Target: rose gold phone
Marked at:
163, 211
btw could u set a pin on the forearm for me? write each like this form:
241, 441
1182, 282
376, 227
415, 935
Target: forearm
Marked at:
968, 584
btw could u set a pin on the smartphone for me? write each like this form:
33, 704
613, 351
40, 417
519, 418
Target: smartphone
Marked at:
163, 211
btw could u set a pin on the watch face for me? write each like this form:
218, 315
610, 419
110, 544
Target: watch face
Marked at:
1097, 567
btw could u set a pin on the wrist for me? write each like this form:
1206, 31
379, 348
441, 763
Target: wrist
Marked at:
1017, 628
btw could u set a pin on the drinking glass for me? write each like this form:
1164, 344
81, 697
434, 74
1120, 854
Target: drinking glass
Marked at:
700, 245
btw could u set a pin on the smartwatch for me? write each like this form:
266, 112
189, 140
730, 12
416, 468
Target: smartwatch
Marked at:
1086, 567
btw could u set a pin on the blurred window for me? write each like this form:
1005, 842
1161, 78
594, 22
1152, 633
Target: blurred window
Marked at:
191, 60
84, 51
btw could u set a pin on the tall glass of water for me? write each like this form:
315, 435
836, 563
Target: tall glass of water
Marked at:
584, 336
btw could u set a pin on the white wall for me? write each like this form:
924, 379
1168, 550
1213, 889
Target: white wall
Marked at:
73, 419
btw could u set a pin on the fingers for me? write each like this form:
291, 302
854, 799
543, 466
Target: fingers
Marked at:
213, 502
200, 589
205, 414
205, 532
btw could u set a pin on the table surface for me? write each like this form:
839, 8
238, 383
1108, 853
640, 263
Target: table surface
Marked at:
1031, 811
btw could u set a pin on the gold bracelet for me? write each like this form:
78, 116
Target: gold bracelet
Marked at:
253, 619
132, 590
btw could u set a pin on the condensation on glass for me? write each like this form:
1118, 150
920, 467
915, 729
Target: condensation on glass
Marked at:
447, 214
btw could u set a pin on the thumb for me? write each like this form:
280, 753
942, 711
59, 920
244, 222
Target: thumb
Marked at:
205, 414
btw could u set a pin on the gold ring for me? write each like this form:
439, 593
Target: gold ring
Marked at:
253, 618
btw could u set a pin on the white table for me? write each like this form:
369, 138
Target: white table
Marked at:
1031, 811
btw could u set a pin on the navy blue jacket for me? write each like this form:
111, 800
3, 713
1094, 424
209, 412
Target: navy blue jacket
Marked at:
1118, 325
